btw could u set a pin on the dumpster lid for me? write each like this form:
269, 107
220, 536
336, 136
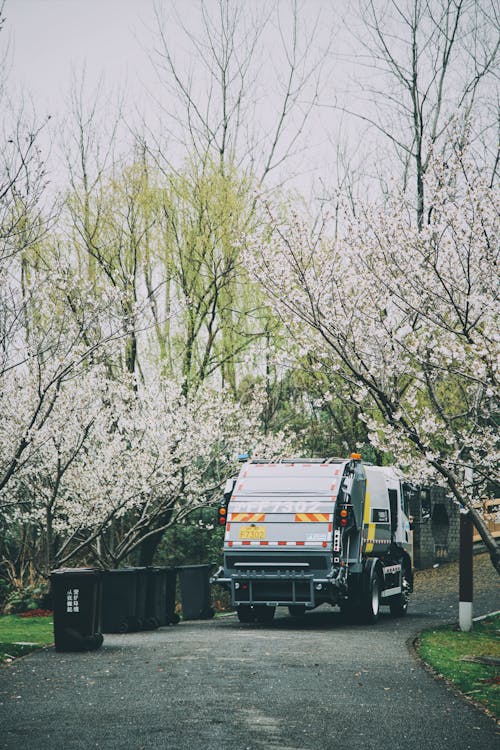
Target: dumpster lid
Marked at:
76, 571
121, 570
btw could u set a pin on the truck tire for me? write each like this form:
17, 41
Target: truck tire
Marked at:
370, 593
245, 613
297, 610
263, 613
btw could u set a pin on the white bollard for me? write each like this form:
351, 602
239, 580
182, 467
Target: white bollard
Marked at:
465, 616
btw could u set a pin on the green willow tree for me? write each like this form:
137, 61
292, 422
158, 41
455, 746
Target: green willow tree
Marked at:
208, 216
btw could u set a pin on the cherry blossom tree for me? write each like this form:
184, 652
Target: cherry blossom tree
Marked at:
408, 318
114, 467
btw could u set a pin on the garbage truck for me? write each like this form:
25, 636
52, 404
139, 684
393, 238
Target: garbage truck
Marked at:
304, 532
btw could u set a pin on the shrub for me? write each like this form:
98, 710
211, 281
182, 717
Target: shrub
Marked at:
26, 598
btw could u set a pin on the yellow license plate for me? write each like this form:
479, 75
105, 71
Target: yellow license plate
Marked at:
252, 532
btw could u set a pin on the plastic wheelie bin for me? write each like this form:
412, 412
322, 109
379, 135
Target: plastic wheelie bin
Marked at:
168, 615
155, 598
76, 597
195, 592
122, 600
142, 577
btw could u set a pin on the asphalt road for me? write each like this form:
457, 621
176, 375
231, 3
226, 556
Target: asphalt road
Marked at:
311, 683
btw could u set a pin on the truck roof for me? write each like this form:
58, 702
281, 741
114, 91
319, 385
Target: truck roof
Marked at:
297, 460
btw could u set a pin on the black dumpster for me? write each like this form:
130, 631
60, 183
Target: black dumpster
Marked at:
195, 592
140, 602
122, 600
168, 615
155, 598
76, 597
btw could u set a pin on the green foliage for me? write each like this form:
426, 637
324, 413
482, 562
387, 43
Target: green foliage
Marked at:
324, 426
196, 540
25, 598
449, 652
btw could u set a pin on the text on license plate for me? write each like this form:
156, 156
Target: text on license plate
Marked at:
252, 532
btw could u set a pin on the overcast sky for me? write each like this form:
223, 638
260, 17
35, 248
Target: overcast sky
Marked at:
51, 40
50, 37
113, 39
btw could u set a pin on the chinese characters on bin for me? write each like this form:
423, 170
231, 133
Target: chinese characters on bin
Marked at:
72, 604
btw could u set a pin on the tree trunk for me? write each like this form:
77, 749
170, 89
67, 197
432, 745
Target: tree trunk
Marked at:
148, 548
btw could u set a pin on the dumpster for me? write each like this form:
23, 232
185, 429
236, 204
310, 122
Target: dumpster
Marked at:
76, 597
195, 592
155, 598
122, 600
142, 576
168, 615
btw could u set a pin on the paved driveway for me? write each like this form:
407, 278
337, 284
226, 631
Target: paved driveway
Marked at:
306, 684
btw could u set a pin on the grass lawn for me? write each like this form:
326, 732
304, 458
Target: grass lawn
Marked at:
451, 652
20, 635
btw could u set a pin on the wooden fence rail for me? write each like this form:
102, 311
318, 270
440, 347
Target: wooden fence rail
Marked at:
491, 511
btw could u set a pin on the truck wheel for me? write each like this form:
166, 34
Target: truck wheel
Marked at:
297, 610
263, 613
370, 597
245, 613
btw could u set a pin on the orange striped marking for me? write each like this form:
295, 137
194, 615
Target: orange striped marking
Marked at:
248, 517
312, 517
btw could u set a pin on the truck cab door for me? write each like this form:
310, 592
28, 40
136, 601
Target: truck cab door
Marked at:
400, 520
404, 522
